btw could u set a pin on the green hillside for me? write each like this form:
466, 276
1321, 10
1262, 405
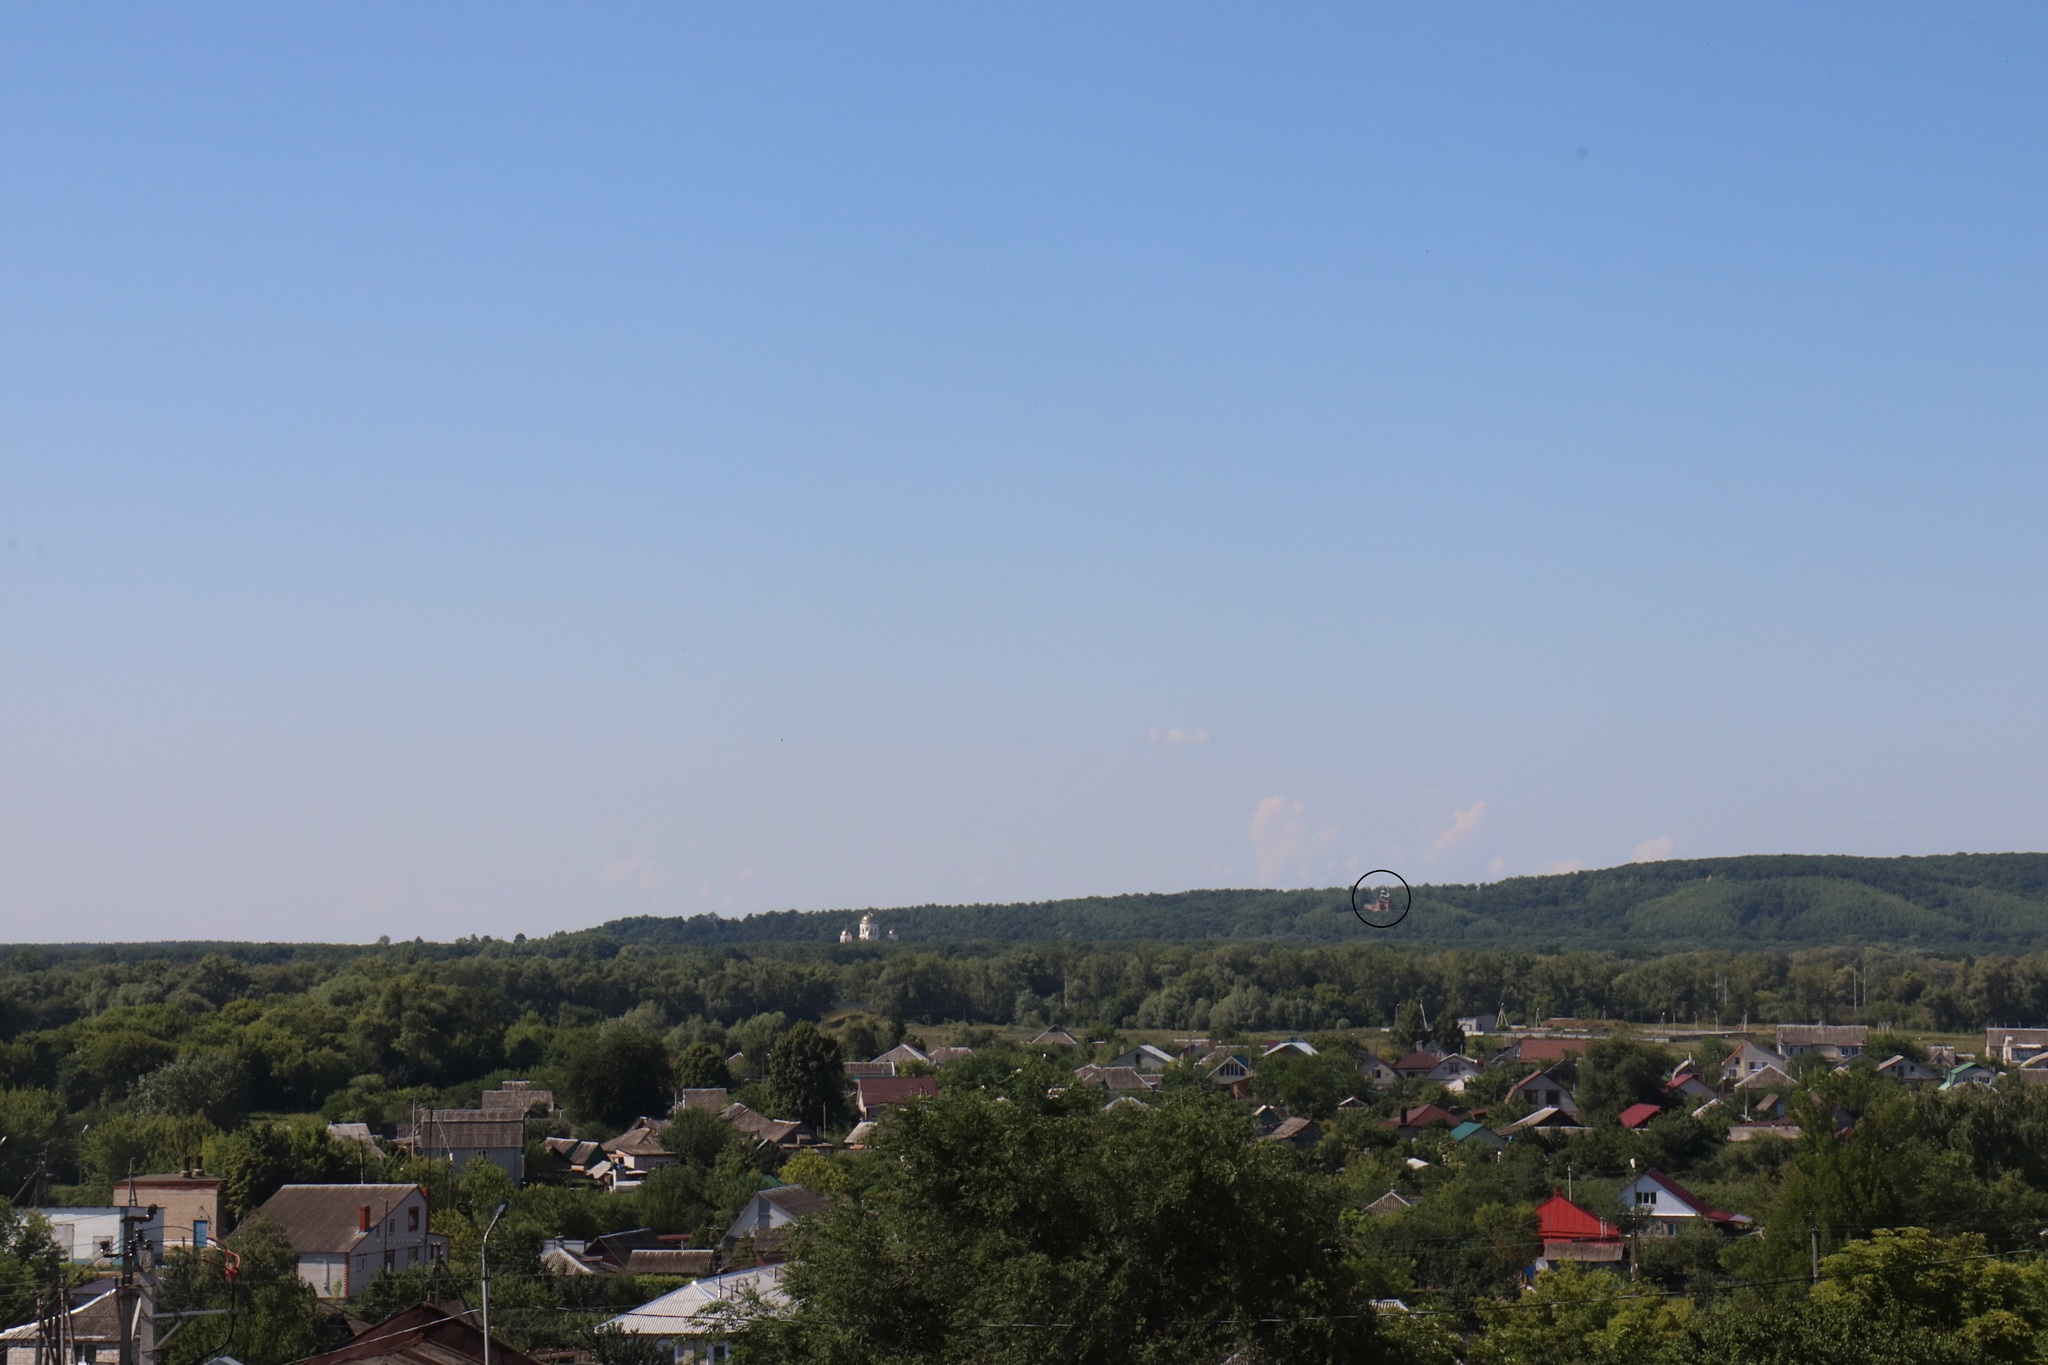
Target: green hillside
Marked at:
1954, 902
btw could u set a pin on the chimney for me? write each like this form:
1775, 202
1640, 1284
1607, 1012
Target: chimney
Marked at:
363, 1219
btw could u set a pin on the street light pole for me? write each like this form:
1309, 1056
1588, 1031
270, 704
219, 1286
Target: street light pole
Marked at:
483, 1256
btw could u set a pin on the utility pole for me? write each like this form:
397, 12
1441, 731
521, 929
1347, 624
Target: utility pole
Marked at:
484, 1265
1813, 1243
135, 1295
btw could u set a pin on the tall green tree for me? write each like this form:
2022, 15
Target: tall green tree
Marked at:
702, 1067
615, 1074
1020, 1230
807, 1074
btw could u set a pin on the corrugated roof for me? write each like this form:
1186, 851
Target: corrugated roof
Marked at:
422, 1335
323, 1219
440, 1129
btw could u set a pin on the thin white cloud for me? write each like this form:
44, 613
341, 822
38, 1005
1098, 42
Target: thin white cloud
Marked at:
1498, 868
1463, 823
1282, 840
1563, 865
1652, 850
1158, 735
643, 873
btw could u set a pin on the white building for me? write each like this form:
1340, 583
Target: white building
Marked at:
345, 1234
867, 928
698, 1321
93, 1235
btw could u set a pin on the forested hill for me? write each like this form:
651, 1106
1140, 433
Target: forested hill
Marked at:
1955, 902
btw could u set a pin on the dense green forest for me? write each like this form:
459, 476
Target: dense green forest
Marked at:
1957, 903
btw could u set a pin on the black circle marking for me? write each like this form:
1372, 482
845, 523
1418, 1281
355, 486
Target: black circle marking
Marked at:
1373, 913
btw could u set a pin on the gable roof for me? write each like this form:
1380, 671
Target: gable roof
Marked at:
1425, 1115
760, 1126
1688, 1198
1055, 1037
1768, 1078
1289, 1130
1636, 1115
1418, 1062
639, 1140
438, 1129
1393, 1201
1541, 1050
324, 1219
901, 1053
699, 1308
1558, 1219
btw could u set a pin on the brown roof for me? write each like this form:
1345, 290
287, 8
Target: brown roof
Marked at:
795, 1200
320, 1219
423, 1335
876, 1090
443, 1128
760, 1126
670, 1261
639, 1140
1822, 1035
1548, 1049
519, 1098
97, 1318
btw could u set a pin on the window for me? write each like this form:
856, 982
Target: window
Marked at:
412, 1219
1645, 1198
390, 1259
200, 1228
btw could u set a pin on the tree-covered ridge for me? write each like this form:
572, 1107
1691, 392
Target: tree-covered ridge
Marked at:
1954, 902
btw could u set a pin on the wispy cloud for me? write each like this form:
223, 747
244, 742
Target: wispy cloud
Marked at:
1652, 850
641, 872
1163, 736
1563, 865
1463, 823
1498, 868
1282, 840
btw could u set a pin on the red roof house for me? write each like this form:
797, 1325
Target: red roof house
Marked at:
1413, 1121
1636, 1115
1558, 1219
1418, 1063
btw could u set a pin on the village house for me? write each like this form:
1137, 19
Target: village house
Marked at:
1454, 1072
1393, 1201
1830, 1042
855, 1070
1969, 1074
873, 1094
1473, 1133
344, 1234
1230, 1073
2015, 1046
1544, 1090
632, 1156
1376, 1070
1686, 1084
1055, 1037
697, 1322
1478, 1024
496, 1135
1637, 1115
1902, 1068
1299, 1133
94, 1326
787, 1134
1118, 1080
763, 1222
1418, 1063
903, 1054
712, 1097
1144, 1057
1670, 1208
1543, 1052
188, 1201
1751, 1058
1412, 1122
1293, 1043
1571, 1233
93, 1234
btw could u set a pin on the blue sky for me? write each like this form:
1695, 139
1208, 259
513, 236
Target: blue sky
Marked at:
492, 469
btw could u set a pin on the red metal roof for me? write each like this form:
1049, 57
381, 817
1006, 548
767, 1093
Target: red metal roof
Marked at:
1558, 1219
1636, 1115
